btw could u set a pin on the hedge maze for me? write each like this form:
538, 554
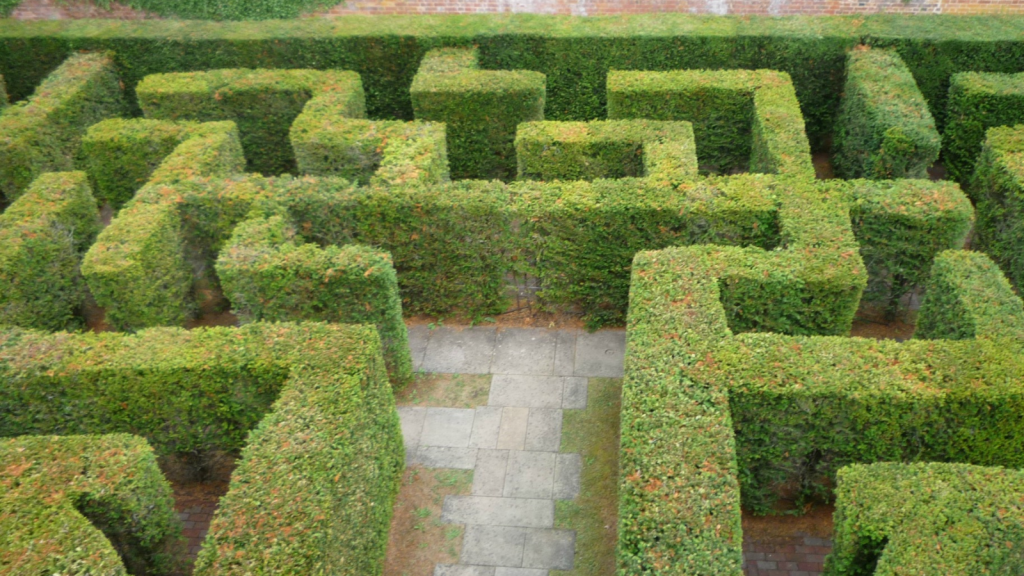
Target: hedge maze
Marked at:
329, 177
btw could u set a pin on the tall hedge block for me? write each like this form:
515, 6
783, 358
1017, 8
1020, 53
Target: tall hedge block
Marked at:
663, 151
742, 119
43, 236
264, 104
270, 274
978, 101
481, 109
82, 505
42, 134
384, 152
884, 129
901, 225
316, 484
138, 269
998, 191
928, 519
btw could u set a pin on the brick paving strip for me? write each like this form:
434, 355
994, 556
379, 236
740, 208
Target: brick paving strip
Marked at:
512, 443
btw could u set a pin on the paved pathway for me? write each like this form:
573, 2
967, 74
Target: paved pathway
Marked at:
512, 443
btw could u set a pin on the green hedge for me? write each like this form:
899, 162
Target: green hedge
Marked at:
884, 129
370, 151
264, 104
269, 274
43, 236
968, 297
998, 192
927, 519
80, 505
708, 417
314, 490
42, 134
663, 151
480, 108
901, 225
138, 270
226, 9
742, 119
978, 101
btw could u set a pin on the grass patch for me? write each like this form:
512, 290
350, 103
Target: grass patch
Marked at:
418, 539
446, 390
594, 434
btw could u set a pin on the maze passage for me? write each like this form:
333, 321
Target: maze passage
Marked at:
333, 179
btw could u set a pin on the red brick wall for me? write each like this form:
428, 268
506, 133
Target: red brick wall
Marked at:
51, 10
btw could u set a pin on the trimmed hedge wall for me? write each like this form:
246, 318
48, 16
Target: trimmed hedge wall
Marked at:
264, 104
314, 490
81, 505
998, 192
884, 129
138, 269
901, 225
269, 274
480, 108
663, 151
978, 101
704, 422
742, 119
42, 134
43, 236
384, 152
928, 519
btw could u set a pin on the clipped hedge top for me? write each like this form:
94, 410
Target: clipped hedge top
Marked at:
458, 70
989, 82
47, 479
891, 93
1007, 143
936, 518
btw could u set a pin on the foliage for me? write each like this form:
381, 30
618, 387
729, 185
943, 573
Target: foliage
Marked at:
81, 505
742, 119
263, 103
269, 274
480, 108
998, 191
884, 129
662, 151
42, 134
928, 519
43, 236
978, 101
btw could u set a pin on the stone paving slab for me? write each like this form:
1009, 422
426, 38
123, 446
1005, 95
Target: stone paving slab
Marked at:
544, 429
447, 427
512, 431
509, 512
442, 457
529, 475
418, 338
568, 469
600, 354
519, 572
524, 351
466, 351
551, 549
411, 419
463, 570
526, 391
493, 546
574, 393
486, 426
489, 473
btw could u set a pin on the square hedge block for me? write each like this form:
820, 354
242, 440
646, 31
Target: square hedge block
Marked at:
978, 101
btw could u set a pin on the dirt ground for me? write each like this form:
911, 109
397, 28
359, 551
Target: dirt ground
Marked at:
418, 540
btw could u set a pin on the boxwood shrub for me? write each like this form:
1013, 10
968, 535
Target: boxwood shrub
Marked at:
139, 269
929, 519
884, 129
901, 225
705, 423
480, 108
978, 101
264, 104
82, 505
314, 490
742, 119
663, 151
998, 192
43, 236
268, 273
42, 134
